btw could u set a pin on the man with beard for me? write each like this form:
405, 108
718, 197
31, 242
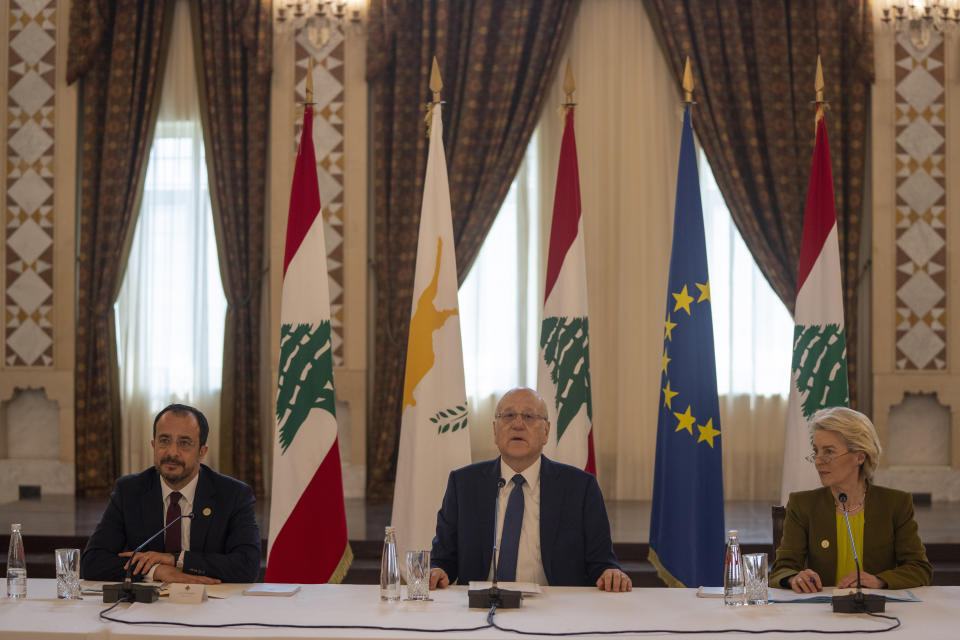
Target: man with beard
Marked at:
220, 543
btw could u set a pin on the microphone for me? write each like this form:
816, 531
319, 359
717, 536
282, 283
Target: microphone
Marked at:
858, 602
494, 565
494, 596
127, 590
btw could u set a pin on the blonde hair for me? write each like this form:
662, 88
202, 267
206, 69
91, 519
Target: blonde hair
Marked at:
856, 431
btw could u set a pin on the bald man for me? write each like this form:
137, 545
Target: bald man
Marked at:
564, 534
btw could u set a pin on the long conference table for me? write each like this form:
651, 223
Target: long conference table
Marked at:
557, 609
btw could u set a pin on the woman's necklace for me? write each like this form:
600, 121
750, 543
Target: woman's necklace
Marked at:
851, 506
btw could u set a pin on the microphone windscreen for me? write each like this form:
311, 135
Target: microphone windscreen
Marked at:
842, 498
500, 483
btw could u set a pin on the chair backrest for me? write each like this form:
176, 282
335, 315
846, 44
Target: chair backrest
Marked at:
778, 513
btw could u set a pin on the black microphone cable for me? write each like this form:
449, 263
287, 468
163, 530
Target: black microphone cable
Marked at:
491, 623
616, 632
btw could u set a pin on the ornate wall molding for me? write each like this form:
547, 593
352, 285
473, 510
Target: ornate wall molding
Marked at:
920, 218
29, 225
328, 140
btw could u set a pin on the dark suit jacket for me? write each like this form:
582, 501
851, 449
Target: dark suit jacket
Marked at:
575, 545
892, 549
224, 544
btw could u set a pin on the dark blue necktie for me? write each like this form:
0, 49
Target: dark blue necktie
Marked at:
510, 537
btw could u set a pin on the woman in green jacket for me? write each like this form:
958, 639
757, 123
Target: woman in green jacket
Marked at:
815, 550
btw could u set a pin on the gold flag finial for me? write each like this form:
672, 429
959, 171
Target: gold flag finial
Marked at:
436, 83
569, 86
687, 82
309, 92
818, 85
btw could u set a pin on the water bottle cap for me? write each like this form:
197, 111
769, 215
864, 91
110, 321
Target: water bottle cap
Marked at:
733, 532
15, 527
391, 529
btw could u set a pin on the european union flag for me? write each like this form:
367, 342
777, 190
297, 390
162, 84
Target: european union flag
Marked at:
687, 543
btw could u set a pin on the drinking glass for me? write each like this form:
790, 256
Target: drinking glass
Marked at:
755, 578
418, 575
68, 573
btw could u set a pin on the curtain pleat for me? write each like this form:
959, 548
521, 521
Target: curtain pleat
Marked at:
754, 65
496, 60
117, 50
235, 42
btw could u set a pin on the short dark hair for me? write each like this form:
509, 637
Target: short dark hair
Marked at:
182, 410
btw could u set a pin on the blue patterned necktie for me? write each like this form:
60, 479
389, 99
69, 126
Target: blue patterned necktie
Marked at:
510, 537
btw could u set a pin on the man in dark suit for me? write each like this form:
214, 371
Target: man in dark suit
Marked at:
220, 543
551, 523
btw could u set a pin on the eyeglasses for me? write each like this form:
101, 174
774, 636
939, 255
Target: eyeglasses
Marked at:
825, 458
529, 419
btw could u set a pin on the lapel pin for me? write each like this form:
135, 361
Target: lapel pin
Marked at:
825, 543
207, 511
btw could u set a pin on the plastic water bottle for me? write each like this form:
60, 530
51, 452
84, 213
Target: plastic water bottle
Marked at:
389, 569
16, 565
733, 591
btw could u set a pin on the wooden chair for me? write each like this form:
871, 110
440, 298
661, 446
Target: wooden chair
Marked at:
778, 513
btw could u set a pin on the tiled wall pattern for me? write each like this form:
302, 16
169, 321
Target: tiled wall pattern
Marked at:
328, 94
921, 219
28, 228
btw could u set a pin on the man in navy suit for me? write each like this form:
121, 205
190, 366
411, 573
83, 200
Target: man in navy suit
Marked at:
564, 534
220, 543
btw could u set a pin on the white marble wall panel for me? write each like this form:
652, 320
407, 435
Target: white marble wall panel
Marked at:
942, 483
33, 426
919, 432
52, 476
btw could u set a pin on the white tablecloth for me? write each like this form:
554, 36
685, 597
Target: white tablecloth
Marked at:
41, 615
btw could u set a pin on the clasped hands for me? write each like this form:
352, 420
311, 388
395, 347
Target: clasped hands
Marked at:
166, 570
609, 580
808, 581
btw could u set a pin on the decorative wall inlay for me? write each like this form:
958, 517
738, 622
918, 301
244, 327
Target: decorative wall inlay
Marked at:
28, 228
921, 234
328, 94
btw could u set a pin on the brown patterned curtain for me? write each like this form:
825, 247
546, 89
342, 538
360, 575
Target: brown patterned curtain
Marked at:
117, 50
754, 65
496, 59
235, 41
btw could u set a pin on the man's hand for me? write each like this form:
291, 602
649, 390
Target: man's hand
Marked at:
166, 573
867, 580
807, 581
143, 561
439, 579
614, 580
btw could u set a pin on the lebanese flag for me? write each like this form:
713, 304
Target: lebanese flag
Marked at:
563, 371
819, 369
433, 426
308, 525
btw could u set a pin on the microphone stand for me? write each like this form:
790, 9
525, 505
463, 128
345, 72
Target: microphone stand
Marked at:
128, 591
494, 596
858, 602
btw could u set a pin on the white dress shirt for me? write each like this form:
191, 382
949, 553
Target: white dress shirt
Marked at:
187, 495
529, 562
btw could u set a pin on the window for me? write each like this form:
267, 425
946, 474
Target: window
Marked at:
171, 307
752, 329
